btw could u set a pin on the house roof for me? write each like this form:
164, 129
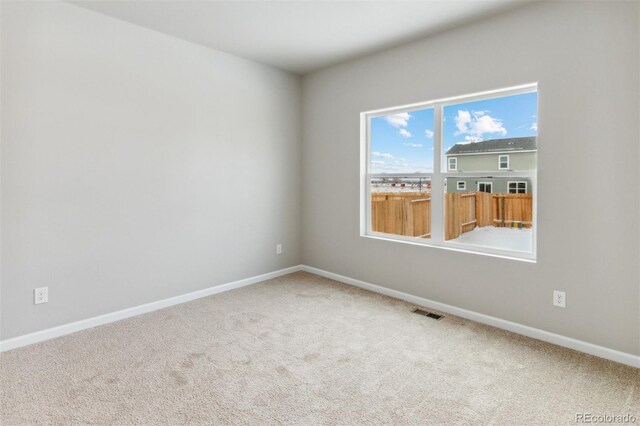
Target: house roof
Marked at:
494, 145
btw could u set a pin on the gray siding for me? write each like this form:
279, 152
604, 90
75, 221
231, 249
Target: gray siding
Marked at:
518, 161
499, 184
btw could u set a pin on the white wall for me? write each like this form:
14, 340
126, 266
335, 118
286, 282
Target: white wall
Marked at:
136, 166
585, 57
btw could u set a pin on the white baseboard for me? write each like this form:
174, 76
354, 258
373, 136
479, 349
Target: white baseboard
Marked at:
557, 339
568, 342
73, 327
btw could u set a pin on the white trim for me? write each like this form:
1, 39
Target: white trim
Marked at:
500, 161
535, 333
509, 182
487, 94
437, 182
557, 339
464, 185
455, 160
485, 185
365, 180
492, 174
451, 245
61, 330
492, 152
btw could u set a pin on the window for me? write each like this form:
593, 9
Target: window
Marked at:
453, 163
503, 162
401, 162
457, 173
485, 187
517, 187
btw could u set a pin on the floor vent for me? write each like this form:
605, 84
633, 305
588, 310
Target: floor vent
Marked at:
427, 314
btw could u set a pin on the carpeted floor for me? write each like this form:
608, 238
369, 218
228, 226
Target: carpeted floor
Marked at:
301, 349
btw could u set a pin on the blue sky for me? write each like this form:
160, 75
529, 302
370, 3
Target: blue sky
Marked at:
403, 143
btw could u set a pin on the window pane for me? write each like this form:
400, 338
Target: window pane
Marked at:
492, 134
504, 162
401, 206
490, 213
402, 143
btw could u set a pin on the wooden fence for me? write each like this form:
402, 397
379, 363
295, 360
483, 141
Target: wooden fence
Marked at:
402, 213
459, 213
410, 213
510, 208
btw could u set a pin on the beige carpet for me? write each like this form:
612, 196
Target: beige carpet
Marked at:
306, 350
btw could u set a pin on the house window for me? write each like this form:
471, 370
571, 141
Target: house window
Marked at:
411, 155
485, 187
517, 187
503, 162
453, 163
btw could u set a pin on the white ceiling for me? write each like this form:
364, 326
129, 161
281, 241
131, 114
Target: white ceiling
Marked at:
299, 36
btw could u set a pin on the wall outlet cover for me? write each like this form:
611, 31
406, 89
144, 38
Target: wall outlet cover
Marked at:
41, 295
559, 299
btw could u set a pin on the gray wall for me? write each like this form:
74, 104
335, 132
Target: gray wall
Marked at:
585, 58
136, 166
489, 162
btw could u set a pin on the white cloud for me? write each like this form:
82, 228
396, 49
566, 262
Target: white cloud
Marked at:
413, 145
398, 120
487, 124
382, 155
478, 123
428, 133
405, 133
462, 121
377, 162
534, 126
473, 138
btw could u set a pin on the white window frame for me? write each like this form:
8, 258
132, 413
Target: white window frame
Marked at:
438, 176
455, 163
500, 162
485, 183
509, 182
464, 185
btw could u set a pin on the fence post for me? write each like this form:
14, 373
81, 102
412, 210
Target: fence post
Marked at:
407, 226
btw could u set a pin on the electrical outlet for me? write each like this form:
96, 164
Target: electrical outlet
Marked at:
279, 249
559, 299
40, 295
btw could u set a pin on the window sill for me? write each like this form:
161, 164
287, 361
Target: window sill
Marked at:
457, 247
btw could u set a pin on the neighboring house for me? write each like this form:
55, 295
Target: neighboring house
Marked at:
496, 155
